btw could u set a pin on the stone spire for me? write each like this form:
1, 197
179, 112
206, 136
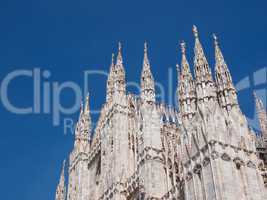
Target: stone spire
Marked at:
61, 188
87, 122
226, 91
119, 78
83, 127
205, 87
79, 126
262, 116
147, 80
110, 81
186, 88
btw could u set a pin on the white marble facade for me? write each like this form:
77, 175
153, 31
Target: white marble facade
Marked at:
144, 150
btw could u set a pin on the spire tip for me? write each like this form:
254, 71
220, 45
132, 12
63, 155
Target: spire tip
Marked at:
215, 39
119, 46
195, 31
112, 58
145, 47
183, 46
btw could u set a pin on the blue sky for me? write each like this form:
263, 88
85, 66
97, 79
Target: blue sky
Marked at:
69, 37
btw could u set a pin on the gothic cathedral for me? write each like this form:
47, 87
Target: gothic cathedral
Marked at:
141, 149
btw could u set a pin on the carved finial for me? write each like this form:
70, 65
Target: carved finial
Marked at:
195, 31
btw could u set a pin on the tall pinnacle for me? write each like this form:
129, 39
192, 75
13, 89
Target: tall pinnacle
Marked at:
146, 63
87, 119
205, 87
119, 61
110, 81
221, 69
147, 80
186, 88
225, 87
262, 116
202, 70
83, 127
78, 128
81, 111
184, 63
119, 78
61, 188
87, 106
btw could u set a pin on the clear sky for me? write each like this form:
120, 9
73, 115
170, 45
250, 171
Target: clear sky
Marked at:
69, 37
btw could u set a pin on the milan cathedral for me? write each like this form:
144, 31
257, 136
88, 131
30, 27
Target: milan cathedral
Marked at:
141, 149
